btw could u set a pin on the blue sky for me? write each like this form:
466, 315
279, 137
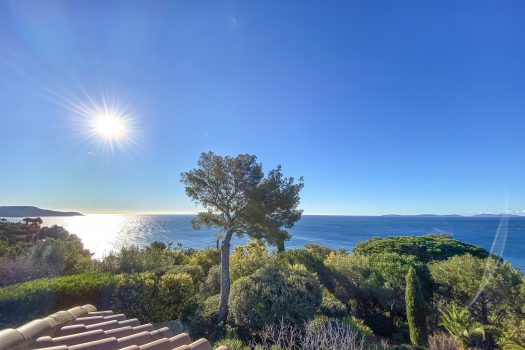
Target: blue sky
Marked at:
383, 106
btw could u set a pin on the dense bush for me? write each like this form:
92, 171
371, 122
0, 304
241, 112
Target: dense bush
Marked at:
272, 294
212, 285
21, 302
425, 248
247, 259
201, 321
54, 252
491, 288
194, 271
331, 306
136, 295
176, 291
205, 258
313, 259
143, 295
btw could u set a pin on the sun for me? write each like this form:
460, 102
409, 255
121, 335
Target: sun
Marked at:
105, 125
110, 126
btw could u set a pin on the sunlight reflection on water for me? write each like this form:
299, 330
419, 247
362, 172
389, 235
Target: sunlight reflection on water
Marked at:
103, 233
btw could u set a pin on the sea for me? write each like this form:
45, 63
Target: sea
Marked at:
103, 233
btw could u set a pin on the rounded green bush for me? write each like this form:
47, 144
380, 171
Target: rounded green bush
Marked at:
212, 285
175, 292
274, 293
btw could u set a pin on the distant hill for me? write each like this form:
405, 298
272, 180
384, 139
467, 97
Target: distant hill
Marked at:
451, 216
425, 215
495, 215
25, 211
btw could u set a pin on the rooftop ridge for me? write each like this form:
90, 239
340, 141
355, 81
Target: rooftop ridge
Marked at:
85, 328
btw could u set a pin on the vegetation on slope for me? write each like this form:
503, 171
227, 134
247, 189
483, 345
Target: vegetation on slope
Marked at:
365, 290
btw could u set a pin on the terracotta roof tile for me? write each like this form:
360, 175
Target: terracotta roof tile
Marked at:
84, 328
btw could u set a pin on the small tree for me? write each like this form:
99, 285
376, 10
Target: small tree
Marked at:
238, 200
461, 325
415, 308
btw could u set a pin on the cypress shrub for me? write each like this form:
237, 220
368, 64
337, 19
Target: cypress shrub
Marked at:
415, 309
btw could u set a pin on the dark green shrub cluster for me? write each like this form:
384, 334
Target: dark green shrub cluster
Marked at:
22, 302
144, 296
425, 248
272, 294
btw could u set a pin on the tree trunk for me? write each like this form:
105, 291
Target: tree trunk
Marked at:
280, 246
225, 277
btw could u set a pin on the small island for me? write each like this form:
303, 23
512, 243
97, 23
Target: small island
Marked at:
23, 211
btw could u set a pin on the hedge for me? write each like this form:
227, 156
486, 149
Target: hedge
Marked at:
22, 302
148, 297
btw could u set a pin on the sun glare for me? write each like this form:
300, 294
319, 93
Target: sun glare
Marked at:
106, 125
109, 126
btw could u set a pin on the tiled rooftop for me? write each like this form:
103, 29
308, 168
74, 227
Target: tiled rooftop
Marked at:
85, 328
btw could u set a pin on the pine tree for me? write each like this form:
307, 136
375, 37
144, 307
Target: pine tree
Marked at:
415, 308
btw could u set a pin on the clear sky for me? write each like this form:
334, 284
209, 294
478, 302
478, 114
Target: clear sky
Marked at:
383, 106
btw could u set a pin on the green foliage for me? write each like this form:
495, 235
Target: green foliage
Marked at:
136, 296
331, 306
194, 271
460, 324
232, 344
205, 258
353, 278
212, 285
415, 310
274, 293
313, 259
37, 298
201, 321
238, 200
425, 248
175, 292
492, 288
247, 259
54, 252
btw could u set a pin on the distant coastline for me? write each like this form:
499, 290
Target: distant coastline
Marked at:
24, 211
453, 215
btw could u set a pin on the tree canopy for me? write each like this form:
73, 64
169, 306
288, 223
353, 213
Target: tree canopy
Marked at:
425, 248
239, 200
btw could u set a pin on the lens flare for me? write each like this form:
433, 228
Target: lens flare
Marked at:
109, 126
497, 249
105, 125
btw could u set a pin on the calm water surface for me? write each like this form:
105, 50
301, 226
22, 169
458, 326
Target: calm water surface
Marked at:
102, 233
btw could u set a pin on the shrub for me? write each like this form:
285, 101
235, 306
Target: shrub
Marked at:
247, 259
313, 260
442, 341
205, 258
331, 306
212, 285
175, 292
232, 344
327, 335
415, 309
21, 302
272, 294
195, 271
425, 248
136, 295
201, 322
